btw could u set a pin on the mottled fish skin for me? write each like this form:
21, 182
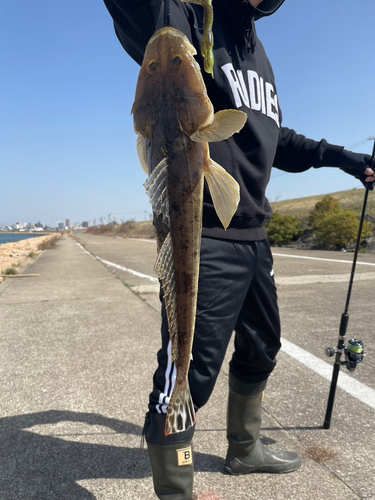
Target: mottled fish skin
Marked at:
171, 106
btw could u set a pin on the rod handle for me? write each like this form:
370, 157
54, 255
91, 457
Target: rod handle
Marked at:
331, 397
344, 324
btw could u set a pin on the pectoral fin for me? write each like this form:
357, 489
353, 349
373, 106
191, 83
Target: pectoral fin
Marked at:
143, 145
224, 190
226, 123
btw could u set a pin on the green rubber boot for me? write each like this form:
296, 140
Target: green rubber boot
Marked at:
171, 459
246, 453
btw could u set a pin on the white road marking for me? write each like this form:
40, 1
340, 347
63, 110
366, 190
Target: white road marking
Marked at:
140, 239
348, 384
322, 278
319, 258
127, 270
86, 251
146, 289
122, 268
345, 382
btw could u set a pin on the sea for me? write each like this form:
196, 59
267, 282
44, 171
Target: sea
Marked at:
13, 237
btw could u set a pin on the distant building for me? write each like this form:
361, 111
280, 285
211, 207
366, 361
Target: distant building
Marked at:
67, 223
61, 226
85, 224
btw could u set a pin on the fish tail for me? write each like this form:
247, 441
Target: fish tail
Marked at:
181, 414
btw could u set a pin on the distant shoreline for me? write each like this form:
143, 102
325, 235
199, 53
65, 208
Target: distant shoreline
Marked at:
15, 237
17, 254
33, 233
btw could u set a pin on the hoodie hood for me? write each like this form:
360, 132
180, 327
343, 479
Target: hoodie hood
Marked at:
251, 14
245, 15
266, 8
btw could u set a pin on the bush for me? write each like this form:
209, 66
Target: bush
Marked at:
11, 270
327, 205
283, 229
336, 227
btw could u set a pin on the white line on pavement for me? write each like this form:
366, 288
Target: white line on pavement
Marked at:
140, 239
135, 273
322, 278
319, 258
86, 251
112, 264
345, 382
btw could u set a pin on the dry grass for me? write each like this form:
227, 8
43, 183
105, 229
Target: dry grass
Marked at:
129, 229
320, 453
49, 244
351, 200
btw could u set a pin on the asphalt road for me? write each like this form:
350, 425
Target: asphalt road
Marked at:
77, 354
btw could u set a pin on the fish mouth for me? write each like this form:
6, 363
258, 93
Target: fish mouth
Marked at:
167, 32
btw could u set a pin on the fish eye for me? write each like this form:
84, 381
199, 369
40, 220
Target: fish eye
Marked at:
152, 67
177, 61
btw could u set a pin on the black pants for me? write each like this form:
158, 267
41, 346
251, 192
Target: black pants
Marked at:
236, 292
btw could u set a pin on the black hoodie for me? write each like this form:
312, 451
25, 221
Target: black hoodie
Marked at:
243, 79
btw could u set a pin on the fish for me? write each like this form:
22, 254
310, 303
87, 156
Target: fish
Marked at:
208, 36
174, 120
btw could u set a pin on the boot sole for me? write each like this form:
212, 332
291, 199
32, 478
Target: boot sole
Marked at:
260, 470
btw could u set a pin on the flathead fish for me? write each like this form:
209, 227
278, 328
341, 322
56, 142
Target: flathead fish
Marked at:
175, 121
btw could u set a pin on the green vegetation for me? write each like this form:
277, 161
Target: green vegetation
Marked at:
283, 229
11, 270
334, 226
32, 255
351, 200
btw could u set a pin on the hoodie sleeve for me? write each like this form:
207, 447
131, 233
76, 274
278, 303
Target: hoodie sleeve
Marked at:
296, 153
135, 22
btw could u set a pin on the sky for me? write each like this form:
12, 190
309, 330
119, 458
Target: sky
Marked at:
67, 143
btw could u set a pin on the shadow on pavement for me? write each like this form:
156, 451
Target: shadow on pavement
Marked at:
34, 466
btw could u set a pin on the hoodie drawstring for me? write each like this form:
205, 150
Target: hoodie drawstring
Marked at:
248, 24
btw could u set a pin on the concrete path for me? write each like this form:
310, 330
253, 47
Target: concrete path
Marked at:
77, 353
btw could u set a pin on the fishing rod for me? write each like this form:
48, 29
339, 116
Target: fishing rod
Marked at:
354, 351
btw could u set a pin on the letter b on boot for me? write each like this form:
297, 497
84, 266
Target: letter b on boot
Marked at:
184, 456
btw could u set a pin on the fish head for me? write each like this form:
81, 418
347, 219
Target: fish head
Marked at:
170, 79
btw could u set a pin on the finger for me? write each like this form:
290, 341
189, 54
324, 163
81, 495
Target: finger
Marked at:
369, 171
370, 179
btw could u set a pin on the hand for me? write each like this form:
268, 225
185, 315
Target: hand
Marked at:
371, 175
356, 164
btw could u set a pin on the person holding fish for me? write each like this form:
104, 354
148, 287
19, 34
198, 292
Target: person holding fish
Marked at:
208, 121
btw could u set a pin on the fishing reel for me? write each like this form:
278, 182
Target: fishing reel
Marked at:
354, 353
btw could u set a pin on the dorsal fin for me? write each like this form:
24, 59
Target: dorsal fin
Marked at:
164, 266
157, 189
